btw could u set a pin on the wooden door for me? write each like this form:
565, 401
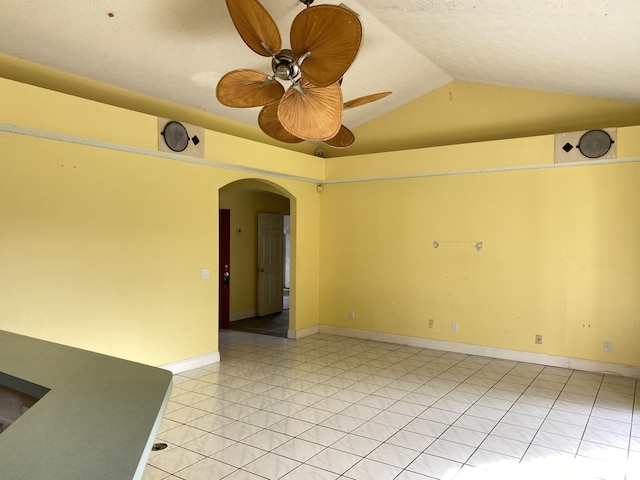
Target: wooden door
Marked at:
270, 263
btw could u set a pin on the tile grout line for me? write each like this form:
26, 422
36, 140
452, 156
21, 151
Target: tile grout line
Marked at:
501, 418
424, 452
551, 408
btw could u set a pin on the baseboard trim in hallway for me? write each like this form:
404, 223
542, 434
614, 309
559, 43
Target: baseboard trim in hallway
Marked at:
303, 332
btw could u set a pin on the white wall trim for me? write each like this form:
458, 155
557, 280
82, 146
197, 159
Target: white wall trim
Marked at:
191, 363
90, 142
514, 168
502, 353
303, 332
242, 315
60, 137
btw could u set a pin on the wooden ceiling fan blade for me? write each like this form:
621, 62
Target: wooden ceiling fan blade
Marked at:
255, 26
269, 123
358, 102
248, 88
316, 115
343, 139
332, 34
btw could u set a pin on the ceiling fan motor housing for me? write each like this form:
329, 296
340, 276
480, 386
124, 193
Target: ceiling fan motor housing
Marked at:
285, 66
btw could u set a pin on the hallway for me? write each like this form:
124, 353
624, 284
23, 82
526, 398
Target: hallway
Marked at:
275, 325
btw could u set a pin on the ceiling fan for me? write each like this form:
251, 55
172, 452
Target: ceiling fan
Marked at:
325, 40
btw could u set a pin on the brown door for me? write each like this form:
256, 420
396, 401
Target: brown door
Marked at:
224, 268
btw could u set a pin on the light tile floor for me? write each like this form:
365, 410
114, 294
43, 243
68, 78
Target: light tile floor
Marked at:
327, 407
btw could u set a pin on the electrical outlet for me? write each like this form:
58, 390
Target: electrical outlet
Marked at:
431, 323
352, 315
454, 326
607, 347
538, 339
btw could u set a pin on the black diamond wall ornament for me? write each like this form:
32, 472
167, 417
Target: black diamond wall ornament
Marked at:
567, 147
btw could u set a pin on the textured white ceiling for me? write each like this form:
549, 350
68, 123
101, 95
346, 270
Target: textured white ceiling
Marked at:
586, 47
177, 50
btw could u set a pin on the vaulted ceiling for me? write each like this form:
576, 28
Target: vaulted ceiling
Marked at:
177, 51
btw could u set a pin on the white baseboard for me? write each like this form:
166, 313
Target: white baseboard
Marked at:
242, 315
191, 363
502, 353
303, 332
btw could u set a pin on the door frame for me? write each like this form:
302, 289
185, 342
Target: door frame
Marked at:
224, 267
253, 185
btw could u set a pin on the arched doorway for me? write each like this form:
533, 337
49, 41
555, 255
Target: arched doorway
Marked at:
242, 276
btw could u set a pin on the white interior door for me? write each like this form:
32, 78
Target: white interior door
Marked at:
270, 263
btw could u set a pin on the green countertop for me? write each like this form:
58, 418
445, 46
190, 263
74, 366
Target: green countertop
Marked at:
97, 421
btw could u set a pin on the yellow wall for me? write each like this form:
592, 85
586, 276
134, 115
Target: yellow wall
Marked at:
463, 112
103, 250
560, 255
245, 206
101, 247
